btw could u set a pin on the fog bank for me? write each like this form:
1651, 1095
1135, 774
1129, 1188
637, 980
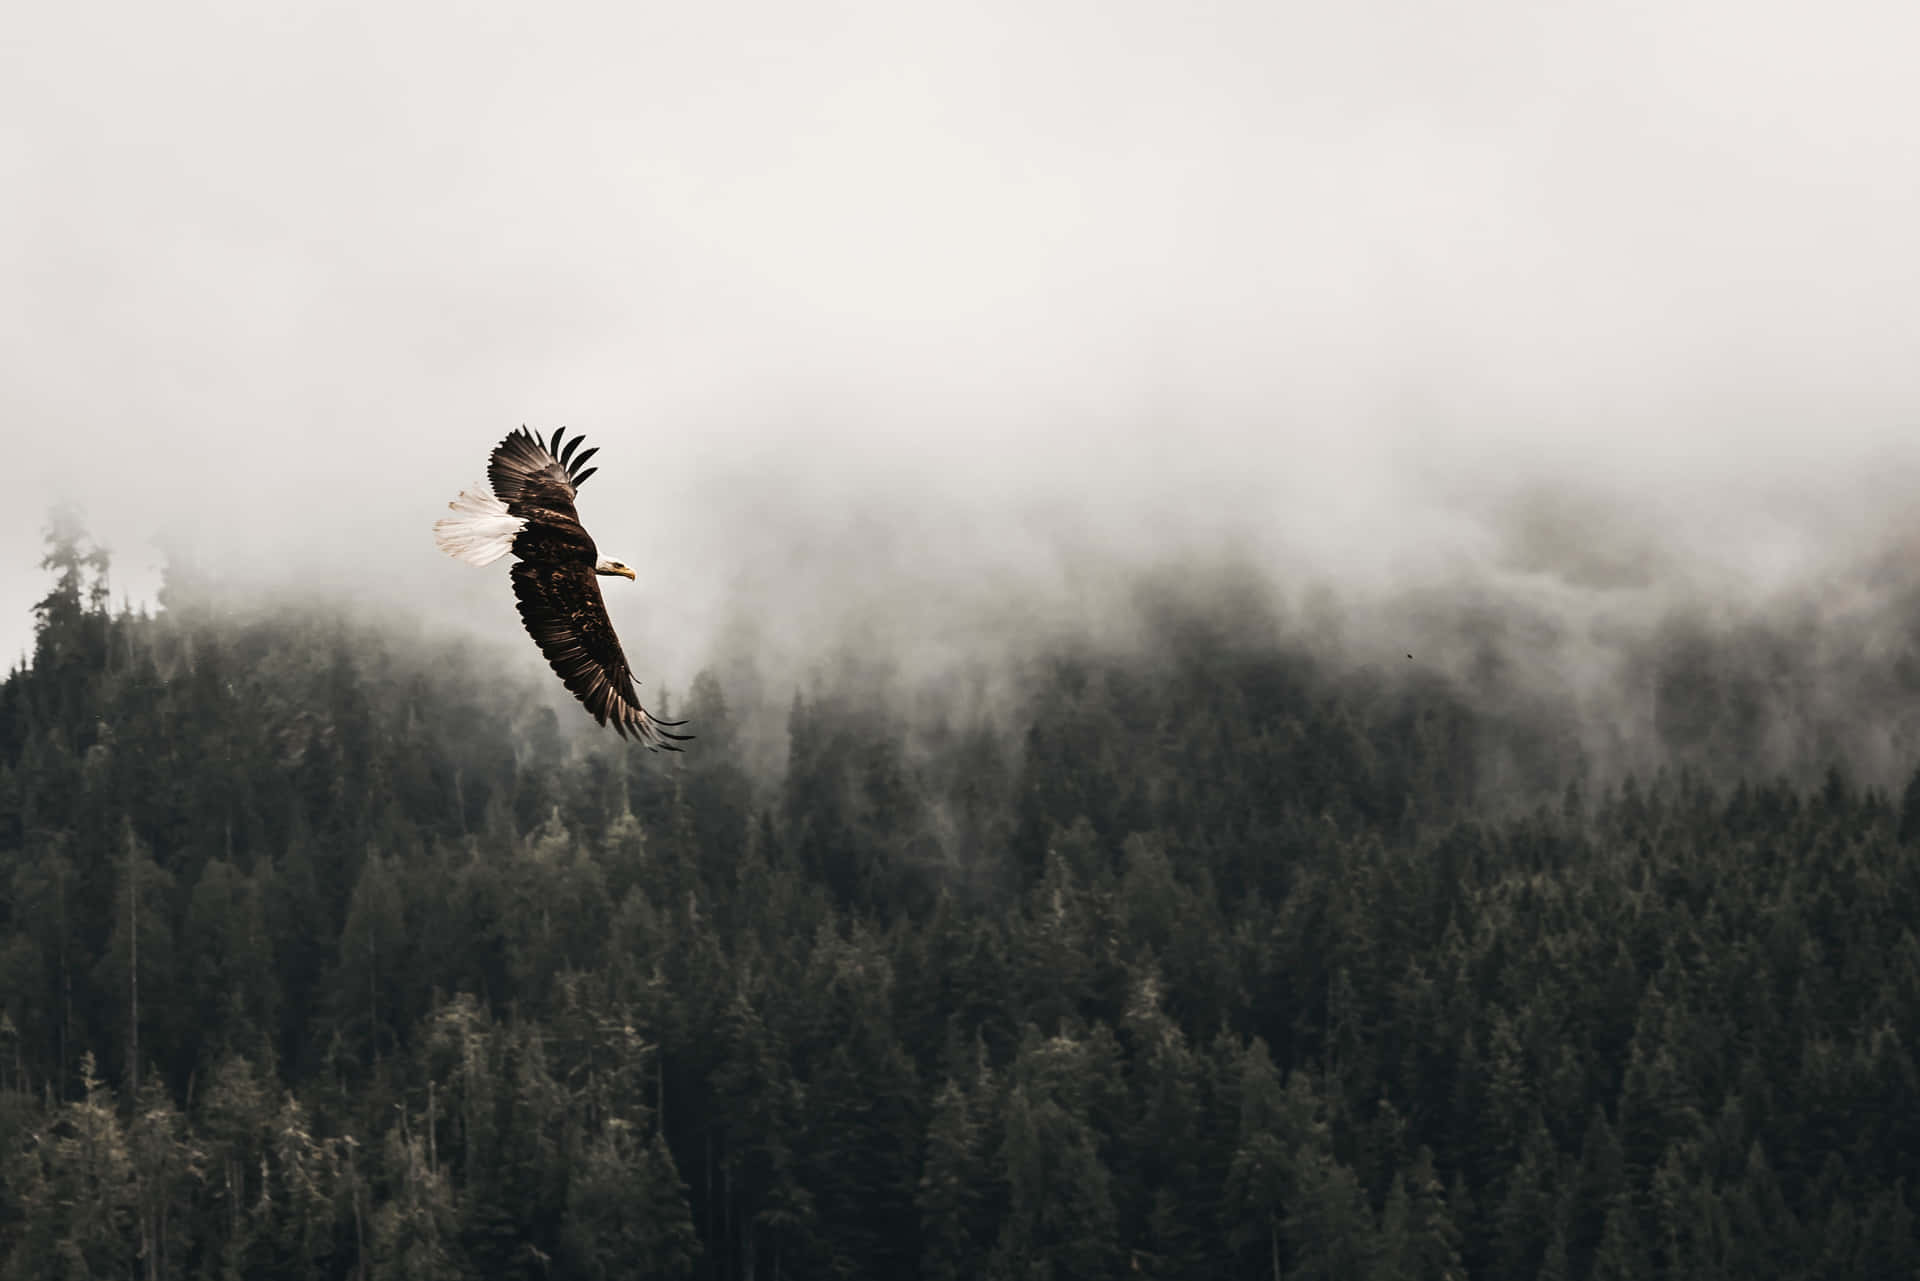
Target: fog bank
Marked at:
937, 330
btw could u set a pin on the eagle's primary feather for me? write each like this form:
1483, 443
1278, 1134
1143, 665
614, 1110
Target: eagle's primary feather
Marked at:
525, 506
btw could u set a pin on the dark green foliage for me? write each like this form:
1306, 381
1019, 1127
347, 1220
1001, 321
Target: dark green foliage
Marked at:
1210, 961
1061, 1221
627, 1212
957, 1188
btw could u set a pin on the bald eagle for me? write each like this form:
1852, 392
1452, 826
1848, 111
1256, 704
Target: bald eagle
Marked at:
525, 506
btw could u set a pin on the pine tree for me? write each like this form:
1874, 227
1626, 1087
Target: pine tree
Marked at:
952, 1188
1435, 1241
1394, 1259
1622, 1255
670, 1247
1261, 1177
1162, 1186
46, 942
167, 1165
138, 964
373, 952
229, 965
1601, 1185
1329, 1228
91, 1172
306, 1176
1525, 1216
1554, 1264
1764, 1231
1060, 1223
236, 1124
626, 1214
414, 1232
70, 620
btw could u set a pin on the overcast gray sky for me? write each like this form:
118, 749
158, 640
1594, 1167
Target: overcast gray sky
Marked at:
1342, 278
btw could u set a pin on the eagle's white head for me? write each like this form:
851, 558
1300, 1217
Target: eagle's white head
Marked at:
608, 565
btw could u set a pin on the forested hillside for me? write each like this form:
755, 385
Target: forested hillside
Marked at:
326, 955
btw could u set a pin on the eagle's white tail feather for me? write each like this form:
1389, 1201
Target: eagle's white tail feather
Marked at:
480, 531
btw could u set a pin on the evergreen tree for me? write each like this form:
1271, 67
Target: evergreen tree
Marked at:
952, 1188
1434, 1240
1060, 1223
627, 1212
236, 1127
414, 1232
91, 1186
1525, 1217
1622, 1255
1261, 1179
1329, 1228
167, 1165
229, 965
137, 968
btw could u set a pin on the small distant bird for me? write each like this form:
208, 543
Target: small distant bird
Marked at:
525, 506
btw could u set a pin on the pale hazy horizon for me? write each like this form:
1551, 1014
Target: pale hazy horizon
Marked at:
866, 305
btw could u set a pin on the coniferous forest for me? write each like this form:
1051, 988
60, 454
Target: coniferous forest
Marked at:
331, 953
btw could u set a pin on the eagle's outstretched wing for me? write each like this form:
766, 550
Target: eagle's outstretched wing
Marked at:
531, 479
561, 605
526, 469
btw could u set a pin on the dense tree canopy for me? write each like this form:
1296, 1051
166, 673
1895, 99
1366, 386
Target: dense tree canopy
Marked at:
328, 956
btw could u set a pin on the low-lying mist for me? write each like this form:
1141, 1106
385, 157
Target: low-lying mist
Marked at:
1567, 351
1591, 630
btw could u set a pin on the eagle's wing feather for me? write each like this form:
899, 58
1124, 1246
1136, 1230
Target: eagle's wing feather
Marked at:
526, 471
561, 605
529, 476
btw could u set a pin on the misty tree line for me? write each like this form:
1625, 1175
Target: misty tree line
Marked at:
329, 954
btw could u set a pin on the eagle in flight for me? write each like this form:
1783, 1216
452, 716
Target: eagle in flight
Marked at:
525, 506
